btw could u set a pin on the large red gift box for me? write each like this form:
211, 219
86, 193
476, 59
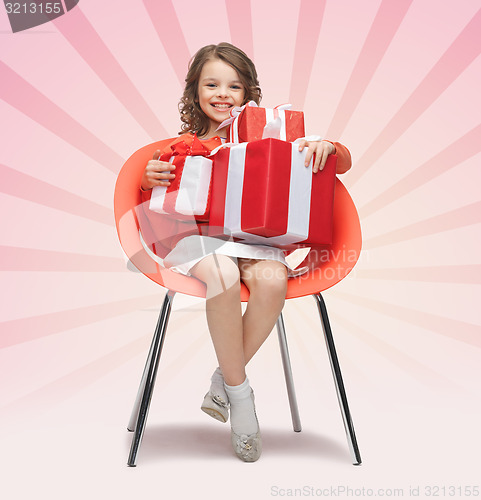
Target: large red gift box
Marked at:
262, 193
254, 123
188, 196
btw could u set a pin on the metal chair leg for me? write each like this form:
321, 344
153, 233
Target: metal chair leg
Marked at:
142, 403
336, 371
135, 410
286, 363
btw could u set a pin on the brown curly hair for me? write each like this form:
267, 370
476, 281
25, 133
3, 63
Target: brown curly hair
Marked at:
193, 118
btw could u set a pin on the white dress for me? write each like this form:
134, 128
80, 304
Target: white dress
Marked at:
192, 249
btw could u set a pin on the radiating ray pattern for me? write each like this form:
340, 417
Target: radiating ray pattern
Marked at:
462, 52
435, 274
166, 23
311, 13
462, 149
404, 361
384, 27
34, 259
83, 37
460, 217
28, 329
25, 186
240, 25
86, 54
20, 94
455, 329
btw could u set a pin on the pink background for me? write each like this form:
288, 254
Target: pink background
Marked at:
398, 83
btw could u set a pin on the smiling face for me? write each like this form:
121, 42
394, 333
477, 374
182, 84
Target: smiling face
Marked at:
220, 89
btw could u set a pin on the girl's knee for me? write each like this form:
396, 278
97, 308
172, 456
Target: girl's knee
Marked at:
270, 281
219, 272
276, 286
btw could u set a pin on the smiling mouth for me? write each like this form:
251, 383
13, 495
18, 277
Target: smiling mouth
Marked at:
222, 107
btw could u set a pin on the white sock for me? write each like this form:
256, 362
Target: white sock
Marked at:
243, 418
217, 385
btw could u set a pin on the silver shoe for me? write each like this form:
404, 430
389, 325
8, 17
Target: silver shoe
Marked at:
216, 407
248, 447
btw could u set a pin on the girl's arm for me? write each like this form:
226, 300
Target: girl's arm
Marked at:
157, 173
322, 149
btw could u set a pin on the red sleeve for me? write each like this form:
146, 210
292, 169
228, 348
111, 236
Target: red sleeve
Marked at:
343, 158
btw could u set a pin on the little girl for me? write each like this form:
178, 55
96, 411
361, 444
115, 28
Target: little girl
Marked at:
219, 78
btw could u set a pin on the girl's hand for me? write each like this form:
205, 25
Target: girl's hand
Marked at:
322, 149
157, 173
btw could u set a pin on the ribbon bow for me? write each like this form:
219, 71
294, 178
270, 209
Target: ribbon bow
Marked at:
188, 145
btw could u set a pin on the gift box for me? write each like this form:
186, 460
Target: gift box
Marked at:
251, 123
262, 193
188, 196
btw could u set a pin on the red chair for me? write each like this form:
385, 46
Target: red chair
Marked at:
323, 273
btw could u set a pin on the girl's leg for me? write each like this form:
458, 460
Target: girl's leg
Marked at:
267, 284
224, 314
224, 317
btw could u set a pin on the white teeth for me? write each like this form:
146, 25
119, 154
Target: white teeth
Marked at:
221, 106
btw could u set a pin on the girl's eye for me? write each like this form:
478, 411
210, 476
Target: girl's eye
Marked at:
210, 85
236, 87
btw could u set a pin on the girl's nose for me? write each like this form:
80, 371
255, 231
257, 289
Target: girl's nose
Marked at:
222, 92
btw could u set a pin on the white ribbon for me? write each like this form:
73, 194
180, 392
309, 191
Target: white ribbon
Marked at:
225, 145
275, 126
194, 186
